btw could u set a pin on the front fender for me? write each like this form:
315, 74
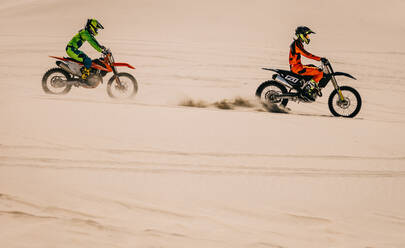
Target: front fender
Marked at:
343, 74
124, 64
324, 81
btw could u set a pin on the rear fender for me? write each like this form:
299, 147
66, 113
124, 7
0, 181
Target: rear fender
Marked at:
60, 58
269, 69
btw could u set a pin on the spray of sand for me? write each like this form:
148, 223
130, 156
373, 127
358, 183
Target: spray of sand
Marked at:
232, 104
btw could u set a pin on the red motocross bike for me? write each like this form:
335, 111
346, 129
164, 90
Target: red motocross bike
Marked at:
60, 80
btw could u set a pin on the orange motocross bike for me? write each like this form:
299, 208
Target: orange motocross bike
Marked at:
60, 80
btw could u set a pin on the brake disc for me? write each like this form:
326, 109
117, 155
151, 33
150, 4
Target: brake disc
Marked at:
271, 95
344, 104
58, 82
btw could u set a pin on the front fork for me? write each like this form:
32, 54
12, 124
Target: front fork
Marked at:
334, 82
117, 79
337, 88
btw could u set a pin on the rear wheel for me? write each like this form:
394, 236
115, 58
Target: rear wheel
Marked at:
268, 91
348, 107
55, 80
127, 86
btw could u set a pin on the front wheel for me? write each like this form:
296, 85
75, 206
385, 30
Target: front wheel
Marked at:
122, 86
349, 106
55, 80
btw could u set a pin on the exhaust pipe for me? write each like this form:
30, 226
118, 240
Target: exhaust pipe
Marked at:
64, 67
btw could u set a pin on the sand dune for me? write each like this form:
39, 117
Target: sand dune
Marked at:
194, 160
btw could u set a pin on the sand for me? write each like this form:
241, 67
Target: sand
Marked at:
83, 170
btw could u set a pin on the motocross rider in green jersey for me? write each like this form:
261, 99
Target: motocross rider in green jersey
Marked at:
86, 34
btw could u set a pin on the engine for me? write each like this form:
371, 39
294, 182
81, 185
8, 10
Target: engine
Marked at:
94, 80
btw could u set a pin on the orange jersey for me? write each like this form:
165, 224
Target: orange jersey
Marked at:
296, 49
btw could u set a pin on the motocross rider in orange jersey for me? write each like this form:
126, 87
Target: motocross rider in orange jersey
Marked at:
296, 50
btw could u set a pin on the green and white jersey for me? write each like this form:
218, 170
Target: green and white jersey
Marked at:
84, 35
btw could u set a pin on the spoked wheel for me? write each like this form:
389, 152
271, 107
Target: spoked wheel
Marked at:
127, 86
268, 91
55, 82
348, 107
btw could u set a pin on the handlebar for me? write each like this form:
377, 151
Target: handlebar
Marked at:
324, 61
326, 64
106, 51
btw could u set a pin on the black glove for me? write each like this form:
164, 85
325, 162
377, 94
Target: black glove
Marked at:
324, 60
105, 50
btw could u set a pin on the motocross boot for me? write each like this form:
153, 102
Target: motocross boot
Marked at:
85, 72
318, 90
311, 89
